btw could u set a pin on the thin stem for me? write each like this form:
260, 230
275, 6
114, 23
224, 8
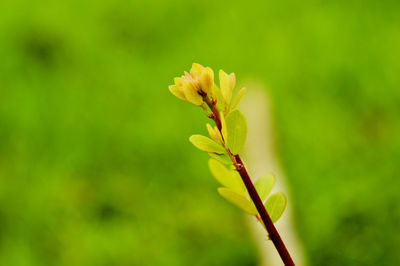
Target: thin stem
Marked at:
269, 225
214, 110
266, 219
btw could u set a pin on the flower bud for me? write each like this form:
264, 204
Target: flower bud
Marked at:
207, 80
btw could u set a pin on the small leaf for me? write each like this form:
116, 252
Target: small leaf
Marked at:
226, 177
275, 206
221, 105
224, 129
223, 158
238, 200
237, 99
227, 83
264, 186
237, 130
206, 144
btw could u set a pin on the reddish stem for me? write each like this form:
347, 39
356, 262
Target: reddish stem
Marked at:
266, 219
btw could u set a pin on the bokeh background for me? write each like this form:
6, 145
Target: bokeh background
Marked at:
95, 163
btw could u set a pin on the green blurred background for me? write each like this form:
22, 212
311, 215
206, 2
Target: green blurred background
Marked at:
95, 165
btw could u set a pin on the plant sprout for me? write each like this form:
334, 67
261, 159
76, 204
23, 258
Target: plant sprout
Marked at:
226, 141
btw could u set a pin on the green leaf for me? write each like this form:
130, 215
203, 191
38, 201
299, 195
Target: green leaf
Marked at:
275, 206
239, 200
264, 186
226, 177
223, 158
237, 99
206, 144
237, 130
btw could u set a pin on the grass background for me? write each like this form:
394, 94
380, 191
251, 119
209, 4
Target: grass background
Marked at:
95, 166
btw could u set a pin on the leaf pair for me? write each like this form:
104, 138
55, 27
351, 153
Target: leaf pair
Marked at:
275, 204
234, 190
229, 178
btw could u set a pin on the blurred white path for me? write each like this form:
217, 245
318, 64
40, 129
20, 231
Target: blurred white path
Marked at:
261, 159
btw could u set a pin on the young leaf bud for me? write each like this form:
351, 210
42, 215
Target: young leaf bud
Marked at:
214, 133
227, 83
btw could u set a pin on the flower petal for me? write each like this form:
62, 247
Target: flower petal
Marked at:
196, 70
191, 94
178, 82
175, 91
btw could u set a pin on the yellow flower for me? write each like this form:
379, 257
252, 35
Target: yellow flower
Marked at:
194, 86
